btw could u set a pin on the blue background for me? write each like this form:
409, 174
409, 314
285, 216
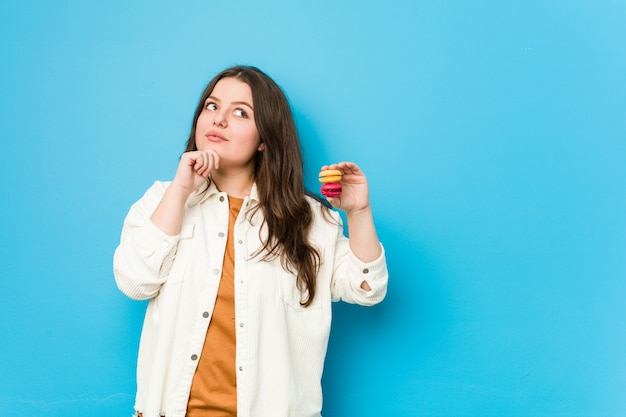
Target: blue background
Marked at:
493, 134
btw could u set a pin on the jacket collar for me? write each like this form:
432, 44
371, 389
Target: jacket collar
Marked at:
209, 189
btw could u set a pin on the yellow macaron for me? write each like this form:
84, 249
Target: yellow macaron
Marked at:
330, 175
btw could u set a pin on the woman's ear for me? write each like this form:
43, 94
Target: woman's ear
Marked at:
261, 147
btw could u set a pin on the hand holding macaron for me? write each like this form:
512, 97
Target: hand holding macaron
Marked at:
345, 186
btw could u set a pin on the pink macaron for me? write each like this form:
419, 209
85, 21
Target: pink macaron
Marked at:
331, 190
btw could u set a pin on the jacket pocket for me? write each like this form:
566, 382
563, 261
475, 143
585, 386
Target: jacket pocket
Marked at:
293, 297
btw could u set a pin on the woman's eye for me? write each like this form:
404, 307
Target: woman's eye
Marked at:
241, 113
210, 106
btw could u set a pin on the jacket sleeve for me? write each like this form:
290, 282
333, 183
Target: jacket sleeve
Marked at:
143, 259
349, 273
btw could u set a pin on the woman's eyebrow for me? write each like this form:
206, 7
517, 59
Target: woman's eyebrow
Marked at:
237, 103
245, 103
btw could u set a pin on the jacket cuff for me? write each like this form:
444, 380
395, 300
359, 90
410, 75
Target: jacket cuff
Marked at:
374, 273
159, 244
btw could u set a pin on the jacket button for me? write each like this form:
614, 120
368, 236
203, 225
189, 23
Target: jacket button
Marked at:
205, 314
194, 357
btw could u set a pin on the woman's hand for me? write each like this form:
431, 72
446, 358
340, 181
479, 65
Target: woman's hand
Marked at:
194, 169
354, 189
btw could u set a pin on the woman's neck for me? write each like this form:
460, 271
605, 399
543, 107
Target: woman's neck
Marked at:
235, 184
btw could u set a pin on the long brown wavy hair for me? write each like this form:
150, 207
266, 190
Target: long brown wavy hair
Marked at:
279, 177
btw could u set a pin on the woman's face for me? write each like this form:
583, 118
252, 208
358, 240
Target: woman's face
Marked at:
226, 124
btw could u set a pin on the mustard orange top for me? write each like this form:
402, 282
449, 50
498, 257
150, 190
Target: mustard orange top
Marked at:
214, 386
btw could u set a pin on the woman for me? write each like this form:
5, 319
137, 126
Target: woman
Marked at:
241, 264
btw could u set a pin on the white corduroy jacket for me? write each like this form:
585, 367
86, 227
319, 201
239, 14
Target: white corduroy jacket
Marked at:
280, 346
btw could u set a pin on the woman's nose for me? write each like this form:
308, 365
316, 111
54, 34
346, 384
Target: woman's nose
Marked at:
219, 119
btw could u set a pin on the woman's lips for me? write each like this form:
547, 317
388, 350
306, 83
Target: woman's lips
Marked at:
215, 137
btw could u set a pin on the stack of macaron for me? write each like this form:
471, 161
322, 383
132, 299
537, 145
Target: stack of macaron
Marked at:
330, 179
